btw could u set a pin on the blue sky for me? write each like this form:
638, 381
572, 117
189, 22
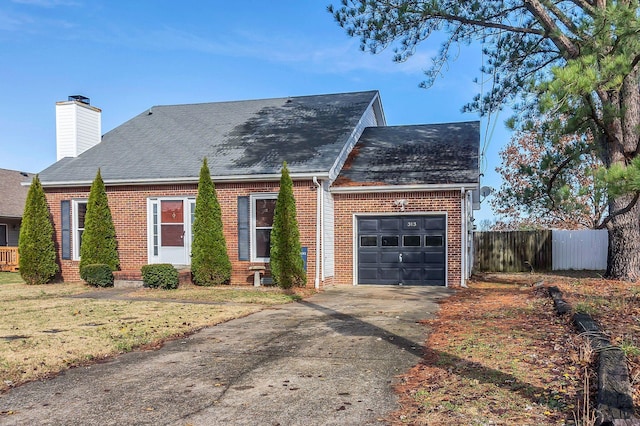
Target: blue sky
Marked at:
129, 55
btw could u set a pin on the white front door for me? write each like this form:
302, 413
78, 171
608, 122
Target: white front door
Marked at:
173, 247
169, 230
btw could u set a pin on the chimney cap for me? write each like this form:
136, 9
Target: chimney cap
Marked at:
80, 98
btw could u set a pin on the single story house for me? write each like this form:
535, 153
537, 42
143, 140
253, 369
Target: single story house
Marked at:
12, 198
376, 204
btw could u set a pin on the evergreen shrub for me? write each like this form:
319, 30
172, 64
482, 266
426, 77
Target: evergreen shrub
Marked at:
97, 275
210, 264
287, 266
160, 275
99, 244
36, 248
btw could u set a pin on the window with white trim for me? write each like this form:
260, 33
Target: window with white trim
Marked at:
79, 213
263, 207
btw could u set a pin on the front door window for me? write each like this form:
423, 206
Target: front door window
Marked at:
172, 226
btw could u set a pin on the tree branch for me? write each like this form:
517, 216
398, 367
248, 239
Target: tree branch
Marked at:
555, 175
485, 24
552, 30
585, 5
624, 210
562, 17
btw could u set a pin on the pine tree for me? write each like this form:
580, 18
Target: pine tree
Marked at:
210, 264
99, 244
287, 267
575, 63
36, 248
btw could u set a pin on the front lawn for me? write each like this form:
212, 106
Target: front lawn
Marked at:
44, 330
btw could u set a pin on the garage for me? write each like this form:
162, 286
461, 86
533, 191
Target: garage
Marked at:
402, 250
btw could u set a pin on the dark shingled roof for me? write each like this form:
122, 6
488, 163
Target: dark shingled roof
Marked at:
250, 137
12, 194
409, 155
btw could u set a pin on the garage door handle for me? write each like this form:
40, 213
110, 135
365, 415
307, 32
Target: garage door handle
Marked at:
400, 257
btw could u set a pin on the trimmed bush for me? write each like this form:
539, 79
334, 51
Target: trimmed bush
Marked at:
287, 267
160, 275
99, 243
97, 275
36, 248
210, 264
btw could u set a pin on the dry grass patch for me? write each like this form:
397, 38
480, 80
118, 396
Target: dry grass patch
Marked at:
222, 294
44, 331
497, 354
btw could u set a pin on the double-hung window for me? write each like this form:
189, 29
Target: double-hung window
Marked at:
79, 213
262, 208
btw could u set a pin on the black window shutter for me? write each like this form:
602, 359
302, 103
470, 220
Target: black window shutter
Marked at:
65, 211
243, 228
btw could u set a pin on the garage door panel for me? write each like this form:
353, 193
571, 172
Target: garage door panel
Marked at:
433, 258
368, 225
408, 250
368, 274
411, 257
368, 258
390, 257
412, 223
434, 273
412, 275
392, 274
434, 222
389, 224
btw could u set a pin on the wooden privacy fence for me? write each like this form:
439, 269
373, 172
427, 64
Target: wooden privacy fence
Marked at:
512, 251
9, 259
558, 250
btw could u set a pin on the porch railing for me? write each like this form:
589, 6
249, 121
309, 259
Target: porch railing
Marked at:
9, 259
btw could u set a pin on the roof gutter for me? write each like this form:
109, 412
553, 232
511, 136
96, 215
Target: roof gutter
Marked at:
402, 188
8, 216
183, 180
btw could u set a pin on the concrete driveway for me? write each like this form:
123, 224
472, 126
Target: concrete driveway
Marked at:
329, 360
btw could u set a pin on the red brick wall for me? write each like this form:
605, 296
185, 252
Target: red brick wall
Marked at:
348, 205
129, 210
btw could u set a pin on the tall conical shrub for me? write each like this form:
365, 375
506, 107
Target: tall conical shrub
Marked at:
99, 244
36, 248
210, 264
287, 267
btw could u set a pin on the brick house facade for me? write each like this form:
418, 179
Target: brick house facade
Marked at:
355, 179
436, 202
128, 206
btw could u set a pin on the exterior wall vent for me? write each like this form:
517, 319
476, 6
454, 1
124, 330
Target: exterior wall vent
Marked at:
78, 126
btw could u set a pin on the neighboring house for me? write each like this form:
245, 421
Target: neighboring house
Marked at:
375, 204
12, 198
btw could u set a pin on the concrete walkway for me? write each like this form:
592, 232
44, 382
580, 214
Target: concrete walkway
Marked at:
329, 360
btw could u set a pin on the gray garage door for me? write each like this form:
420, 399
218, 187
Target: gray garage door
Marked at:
402, 250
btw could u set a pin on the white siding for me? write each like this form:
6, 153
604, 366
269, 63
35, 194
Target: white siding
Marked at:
583, 249
328, 227
89, 129
13, 231
78, 128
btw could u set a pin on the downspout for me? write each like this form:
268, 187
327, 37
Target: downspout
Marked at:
470, 230
318, 230
463, 243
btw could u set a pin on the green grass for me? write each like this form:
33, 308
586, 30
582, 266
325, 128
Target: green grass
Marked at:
10, 278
